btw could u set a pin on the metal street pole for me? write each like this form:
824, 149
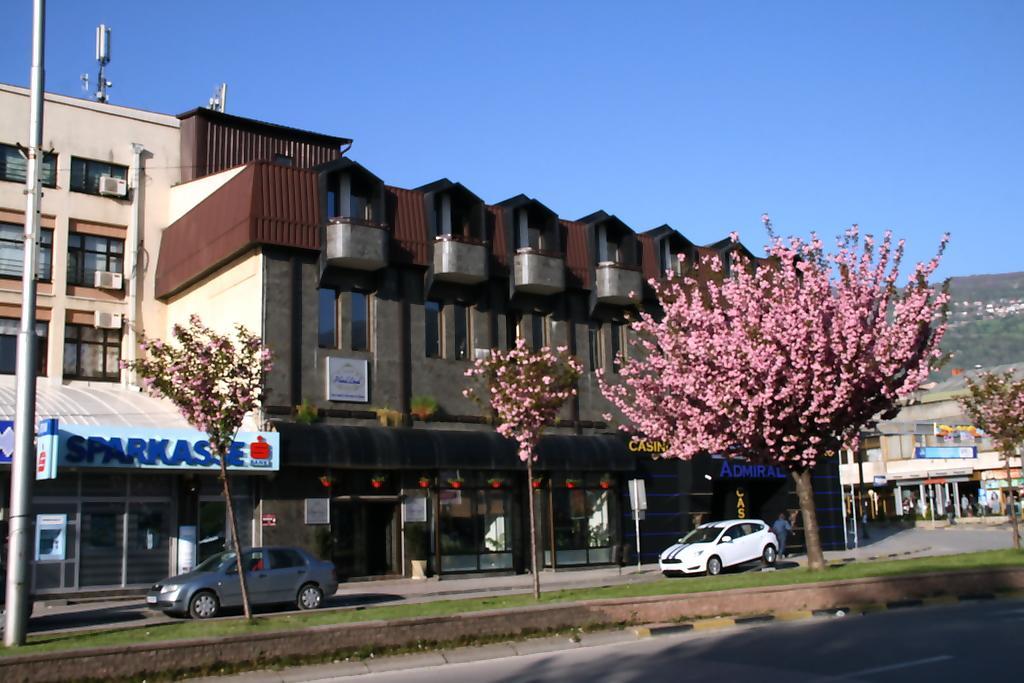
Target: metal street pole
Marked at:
22, 467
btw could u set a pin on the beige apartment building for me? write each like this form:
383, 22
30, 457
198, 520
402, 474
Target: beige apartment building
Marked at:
107, 175
930, 451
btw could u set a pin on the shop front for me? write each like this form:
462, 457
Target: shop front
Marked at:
455, 501
130, 505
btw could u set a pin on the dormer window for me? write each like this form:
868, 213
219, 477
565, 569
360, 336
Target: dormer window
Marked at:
355, 193
455, 216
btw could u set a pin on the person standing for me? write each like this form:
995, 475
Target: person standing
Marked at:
781, 528
949, 512
864, 520
965, 505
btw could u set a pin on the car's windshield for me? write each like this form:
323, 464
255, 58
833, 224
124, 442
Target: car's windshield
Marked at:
215, 562
704, 535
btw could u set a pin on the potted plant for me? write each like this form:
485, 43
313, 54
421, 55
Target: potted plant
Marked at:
388, 417
495, 482
423, 407
537, 482
424, 482
326, 480
377, 480
606, 481
306, 413
416, 549
571, 482
456, 482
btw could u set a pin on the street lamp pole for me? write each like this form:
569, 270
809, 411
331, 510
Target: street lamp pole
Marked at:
22, 467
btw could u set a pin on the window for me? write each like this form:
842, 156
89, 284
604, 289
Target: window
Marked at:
327, 319
86, 173
538, 331
594, 345
90, 254
461, 322
283, 160
12, 252
360, 321
617, 331
284, 559
9, 345
512, 319
432, 327
91, 353
361, 207
14, 166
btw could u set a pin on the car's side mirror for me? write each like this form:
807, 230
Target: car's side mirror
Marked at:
681, 540
726, 539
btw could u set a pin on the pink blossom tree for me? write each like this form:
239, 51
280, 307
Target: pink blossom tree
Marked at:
996, 405
524, 389
214, 380
783, 361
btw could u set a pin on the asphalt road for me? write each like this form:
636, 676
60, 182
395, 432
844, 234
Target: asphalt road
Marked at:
961, 642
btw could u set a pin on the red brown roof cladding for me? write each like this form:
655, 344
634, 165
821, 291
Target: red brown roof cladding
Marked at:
578, 259
499, 240
264, 204
650, 262
408, 220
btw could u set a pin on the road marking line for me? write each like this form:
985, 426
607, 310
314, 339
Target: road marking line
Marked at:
894, 667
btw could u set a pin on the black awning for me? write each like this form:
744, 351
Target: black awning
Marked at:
396, 448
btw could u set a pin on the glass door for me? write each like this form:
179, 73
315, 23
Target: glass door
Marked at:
212, 533
102, 545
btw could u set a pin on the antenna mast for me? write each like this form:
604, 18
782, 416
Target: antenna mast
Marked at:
103, 58
219, 101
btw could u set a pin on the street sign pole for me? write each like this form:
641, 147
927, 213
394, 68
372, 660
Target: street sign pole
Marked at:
23, 462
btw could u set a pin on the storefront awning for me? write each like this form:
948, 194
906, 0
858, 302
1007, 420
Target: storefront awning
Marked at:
395, 448
82, 404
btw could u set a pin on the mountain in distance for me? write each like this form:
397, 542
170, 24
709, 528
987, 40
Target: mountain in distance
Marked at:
986, 322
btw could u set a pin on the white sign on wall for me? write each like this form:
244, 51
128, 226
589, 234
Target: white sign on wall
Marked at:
186, 548
318, 511
347, 379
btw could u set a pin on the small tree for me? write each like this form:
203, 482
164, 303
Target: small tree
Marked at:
996, 405
215, 381
783, 361
525, 389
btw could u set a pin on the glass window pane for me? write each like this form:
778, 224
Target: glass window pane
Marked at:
148, 552
360, 321
616, 345
101, 544
598, 525
593, 345
538, 331
70, 359
112, 357
327, 318
432, 325
461, 332
8, 353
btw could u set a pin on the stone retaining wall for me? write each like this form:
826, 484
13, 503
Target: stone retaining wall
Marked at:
134, 661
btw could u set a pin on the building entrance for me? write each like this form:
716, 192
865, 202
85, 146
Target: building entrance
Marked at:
748, 499
365, 537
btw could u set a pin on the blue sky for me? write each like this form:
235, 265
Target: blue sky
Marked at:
903, 115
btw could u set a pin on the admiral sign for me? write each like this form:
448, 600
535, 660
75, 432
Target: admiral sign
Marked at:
163, 449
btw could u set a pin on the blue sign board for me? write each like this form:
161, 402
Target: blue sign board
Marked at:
163, 449
946, 452
6, 441
744, 470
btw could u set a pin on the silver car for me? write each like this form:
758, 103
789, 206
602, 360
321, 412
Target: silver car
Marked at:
274, 575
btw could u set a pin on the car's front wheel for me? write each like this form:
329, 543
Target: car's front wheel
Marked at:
714, 566
310, 596
203, 605
769, 555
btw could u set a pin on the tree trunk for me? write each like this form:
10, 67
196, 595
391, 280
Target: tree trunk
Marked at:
233, 525
1010, 503
812, 535
533, 529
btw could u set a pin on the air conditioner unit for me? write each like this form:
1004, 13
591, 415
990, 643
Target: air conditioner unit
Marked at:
106, 280
107, 321
113, 187
481, 353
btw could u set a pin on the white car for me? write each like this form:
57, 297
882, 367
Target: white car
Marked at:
712, 547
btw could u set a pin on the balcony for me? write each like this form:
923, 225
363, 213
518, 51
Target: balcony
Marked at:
460, 260
357, 244
537, 272
618, 284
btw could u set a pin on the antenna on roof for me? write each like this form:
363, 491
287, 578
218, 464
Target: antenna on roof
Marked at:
219, 101
103, 58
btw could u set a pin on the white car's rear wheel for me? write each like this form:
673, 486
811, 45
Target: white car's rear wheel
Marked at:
714, 566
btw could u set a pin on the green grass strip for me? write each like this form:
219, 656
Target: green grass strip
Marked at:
676, 586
